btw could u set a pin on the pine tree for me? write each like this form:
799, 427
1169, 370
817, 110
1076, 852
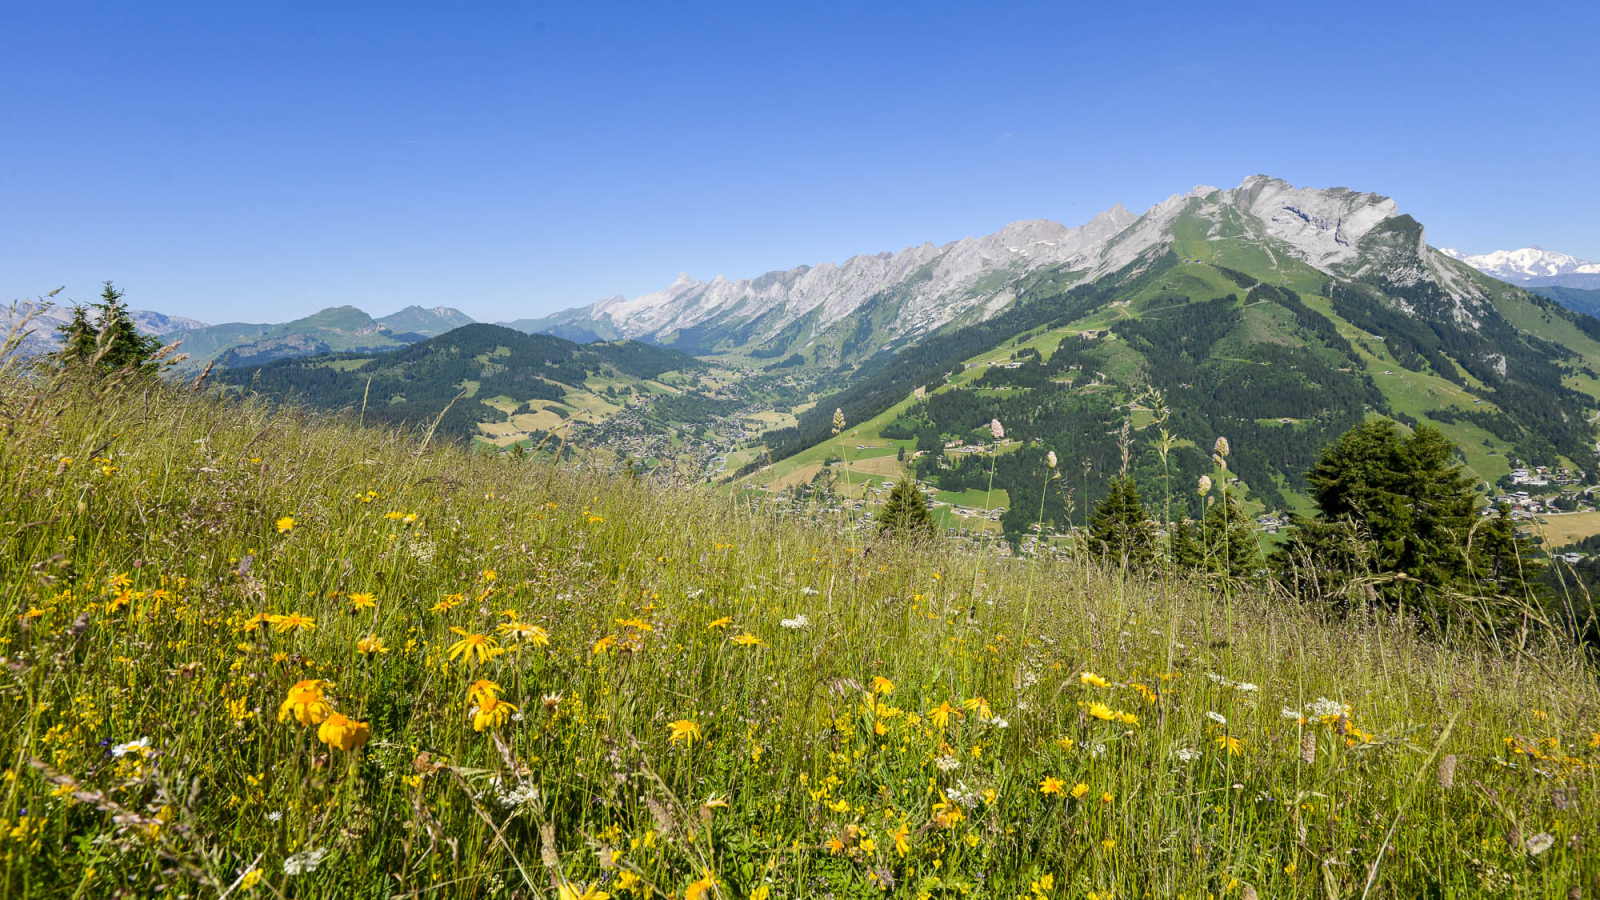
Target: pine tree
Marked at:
1183, 548
1121, 528
124, 345
79, 338
1228, 542
905, 514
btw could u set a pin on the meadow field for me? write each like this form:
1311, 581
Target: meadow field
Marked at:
255, 653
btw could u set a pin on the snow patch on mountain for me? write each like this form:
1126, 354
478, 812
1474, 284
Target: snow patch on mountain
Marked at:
1525, 265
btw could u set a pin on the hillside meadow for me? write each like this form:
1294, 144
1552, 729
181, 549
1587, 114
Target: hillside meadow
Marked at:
255, 653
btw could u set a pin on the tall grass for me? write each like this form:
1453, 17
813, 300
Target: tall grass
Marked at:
852, 719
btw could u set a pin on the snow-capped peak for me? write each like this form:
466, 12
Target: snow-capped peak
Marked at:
1528, 263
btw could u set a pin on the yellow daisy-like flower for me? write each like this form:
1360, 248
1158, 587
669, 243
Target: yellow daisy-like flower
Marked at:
371, 644
700, 887
305, 703
1093, 680
292, 622
1102, 712
362, 601
1052, 785
902, 842
285, 524
482, 688
447, 604
255, 622
491, 712
1080, 791
721, 623
343, 733
1231, 744
525, 632
748, 640
686, 730
472, 647
882, 685
941, 714
567, 890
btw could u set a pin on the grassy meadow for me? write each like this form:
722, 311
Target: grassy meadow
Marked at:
250, 653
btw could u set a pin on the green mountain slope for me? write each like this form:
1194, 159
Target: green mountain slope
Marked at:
1217, 330
424, 321
480, 381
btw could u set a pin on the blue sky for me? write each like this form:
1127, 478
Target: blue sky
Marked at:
233, 161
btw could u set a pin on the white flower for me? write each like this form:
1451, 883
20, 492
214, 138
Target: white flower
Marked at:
1324, 707
809, 591
1288, 713
1205, 485
304, 862
999, 722
1540, 842
1220, 448
1187, 755
140, 746
947, 763
1097, 750
799, 621
275, 816
1245, 686
1217, 679
1217, 717
516, 796
1050, 459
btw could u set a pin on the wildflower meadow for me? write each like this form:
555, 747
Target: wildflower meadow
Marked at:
254, 653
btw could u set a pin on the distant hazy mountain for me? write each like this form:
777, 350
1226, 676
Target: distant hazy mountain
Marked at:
430, 322
1534, 266
41, 328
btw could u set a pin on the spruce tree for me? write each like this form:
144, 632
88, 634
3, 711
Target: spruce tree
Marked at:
1121, 528
124, 345
1228, 542
1183, 548
79, 338
905, 514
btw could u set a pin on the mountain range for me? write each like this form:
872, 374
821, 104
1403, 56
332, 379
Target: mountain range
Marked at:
1534, 266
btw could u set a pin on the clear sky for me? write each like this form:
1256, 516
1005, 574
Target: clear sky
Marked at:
259, 161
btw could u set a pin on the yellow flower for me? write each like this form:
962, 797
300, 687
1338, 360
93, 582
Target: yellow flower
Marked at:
941, 714
700, 887
1127, 718
1065, 743
1051, 785
255, 622
721, 623
882, 685
1106, 797
285, 524
305, 703
472, 647
748, 640
371, 644
902, 844
1232, 744
764, 892
686, 730
447, 604
1108, 843
491, 713
1092, 679
343, 733
604, 644
250, 879
1080, 791
1102, 711
362, 601
292, 622
526, 632
482, 688
569, 891
1043, 884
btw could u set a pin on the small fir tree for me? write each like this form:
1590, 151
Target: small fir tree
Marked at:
1121, 528
905, 514
1228, 542
79, 338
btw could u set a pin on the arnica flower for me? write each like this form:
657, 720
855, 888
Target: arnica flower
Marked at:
305, 703
481, 689
362, 601
371, 644
1080, 791
343, 733
292, 622
1230, 743
472, 647
721, 623
701, 887
902, 842
526, 632
255, 622
882, 685
285, 524
1052, 785
686, 730
1102, 712
748, 640
491, 712
567, 890
1091, 678
941, 714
